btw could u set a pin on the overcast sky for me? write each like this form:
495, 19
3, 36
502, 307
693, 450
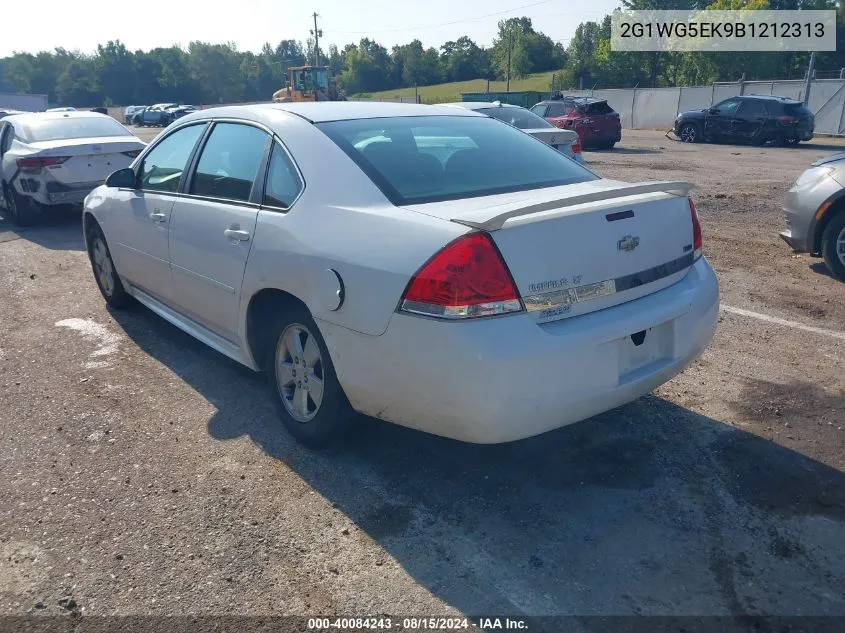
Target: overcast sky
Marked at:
82, 24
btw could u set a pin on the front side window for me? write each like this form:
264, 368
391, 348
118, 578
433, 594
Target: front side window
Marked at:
283, 181
728, 107
539, 109
416, 160
229, 162
518, 117
162, 167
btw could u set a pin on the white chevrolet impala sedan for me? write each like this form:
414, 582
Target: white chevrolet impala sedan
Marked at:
429, 266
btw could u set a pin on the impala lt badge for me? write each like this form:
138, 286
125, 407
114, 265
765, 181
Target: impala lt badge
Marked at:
628, 243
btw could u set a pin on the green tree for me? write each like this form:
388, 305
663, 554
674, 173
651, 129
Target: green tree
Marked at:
78, 85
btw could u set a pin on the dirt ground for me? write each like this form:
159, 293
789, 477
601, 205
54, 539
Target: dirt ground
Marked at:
146, 474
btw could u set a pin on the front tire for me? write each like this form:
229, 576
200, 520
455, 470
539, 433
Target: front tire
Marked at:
24, 211
689, 133
309, 399
105, 274
833, 246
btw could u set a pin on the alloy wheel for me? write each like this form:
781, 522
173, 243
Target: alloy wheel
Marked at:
103, 266
299, 372
840, 246
689, 134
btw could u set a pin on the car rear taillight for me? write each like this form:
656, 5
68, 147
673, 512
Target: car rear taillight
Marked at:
466, 279
787, 120
37, 164
132, 153
696, 230
576, 146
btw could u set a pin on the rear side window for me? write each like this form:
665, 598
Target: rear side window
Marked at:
751, 106
56, 129
539, 109
557, 109
416, 160
283, 181
163, 166
229, 162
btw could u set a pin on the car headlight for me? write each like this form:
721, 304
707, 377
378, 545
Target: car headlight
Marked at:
812, 176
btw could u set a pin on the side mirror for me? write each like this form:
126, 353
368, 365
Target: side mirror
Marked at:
122, 178
713, 110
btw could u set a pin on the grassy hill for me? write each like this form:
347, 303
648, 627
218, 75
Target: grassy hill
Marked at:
443, 93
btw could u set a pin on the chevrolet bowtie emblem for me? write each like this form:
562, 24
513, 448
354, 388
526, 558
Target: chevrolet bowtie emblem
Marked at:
628, 243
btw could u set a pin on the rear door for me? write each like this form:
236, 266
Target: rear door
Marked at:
749, 122
603, 121
6, 134
213, 225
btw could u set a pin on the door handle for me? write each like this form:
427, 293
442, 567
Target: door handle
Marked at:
235, 234
158, 217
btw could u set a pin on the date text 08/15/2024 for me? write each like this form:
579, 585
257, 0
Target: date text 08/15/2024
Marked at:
415, 624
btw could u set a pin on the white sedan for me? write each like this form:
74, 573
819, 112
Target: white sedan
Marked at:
426, 265
51, 158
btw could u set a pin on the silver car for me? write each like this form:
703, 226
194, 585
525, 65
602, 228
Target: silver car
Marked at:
815, 213
565, 141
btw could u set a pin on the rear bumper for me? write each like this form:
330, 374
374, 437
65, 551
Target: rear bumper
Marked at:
504, 379
52, 192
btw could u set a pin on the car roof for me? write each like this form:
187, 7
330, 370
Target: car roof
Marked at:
324, 111
480, 105
26, 117
769, 98
578, 99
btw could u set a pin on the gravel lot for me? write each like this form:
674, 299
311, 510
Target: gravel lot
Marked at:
146, 474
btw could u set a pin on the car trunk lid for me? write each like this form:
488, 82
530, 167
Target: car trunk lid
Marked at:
88, 159
559, 139
584, 247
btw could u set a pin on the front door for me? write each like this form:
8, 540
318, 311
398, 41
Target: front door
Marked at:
138, 236
213, 225
719, 119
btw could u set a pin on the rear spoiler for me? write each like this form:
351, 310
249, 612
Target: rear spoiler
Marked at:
495, 223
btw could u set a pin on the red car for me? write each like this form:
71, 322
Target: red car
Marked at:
597, 124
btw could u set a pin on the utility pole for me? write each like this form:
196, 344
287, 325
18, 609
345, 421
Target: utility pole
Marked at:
510, 36
316, 33
808, 80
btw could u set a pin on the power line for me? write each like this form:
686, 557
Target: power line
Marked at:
434, 26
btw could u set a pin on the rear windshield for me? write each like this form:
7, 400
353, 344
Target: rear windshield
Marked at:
415, 160
55, 129
518, 117
599, 108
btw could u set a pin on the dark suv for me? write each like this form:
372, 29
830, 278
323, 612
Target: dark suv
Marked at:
755, 119
597, 124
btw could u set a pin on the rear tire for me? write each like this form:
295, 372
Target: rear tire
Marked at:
309, 399
23, 211
689, 133
833, 246
105, 274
